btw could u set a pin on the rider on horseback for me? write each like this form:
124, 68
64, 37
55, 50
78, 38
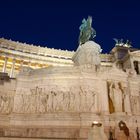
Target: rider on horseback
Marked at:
86, 31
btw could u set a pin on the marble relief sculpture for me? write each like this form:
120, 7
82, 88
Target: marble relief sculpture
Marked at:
43, 101
119, 97
135, 102
116, 96
6, 104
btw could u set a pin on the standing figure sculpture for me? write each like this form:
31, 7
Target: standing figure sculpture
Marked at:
116, 96
86, 31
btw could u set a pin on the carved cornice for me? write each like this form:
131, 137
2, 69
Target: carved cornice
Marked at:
38, 50
42, 53
135, 53
21, 55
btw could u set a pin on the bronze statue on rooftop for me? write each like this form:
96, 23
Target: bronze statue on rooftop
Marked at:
86, 31
120, 42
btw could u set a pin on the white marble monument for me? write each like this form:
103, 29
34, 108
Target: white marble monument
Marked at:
61, 102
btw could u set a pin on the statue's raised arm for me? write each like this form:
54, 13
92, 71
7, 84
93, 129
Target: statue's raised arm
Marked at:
86, 31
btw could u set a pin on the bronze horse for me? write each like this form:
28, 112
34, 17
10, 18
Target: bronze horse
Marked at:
86, 31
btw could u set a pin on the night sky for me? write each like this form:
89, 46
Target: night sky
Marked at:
55, 23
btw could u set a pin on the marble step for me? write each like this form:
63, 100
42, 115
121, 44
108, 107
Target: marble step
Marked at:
8, 138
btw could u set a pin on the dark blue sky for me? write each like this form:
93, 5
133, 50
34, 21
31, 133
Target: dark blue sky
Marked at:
55, 23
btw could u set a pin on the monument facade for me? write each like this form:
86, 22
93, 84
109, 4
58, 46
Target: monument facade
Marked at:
65, 95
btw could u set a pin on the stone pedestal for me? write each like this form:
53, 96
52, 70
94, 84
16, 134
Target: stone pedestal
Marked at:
97, 133
87, 54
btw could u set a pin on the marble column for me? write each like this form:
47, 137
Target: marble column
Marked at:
12, 68
5, 64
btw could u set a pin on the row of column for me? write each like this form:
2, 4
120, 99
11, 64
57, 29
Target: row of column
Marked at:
12, 68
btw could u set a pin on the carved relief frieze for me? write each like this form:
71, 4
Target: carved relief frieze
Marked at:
6, 103
43, 100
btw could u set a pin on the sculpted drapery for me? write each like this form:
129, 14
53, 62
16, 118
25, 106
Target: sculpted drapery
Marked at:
116, 96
